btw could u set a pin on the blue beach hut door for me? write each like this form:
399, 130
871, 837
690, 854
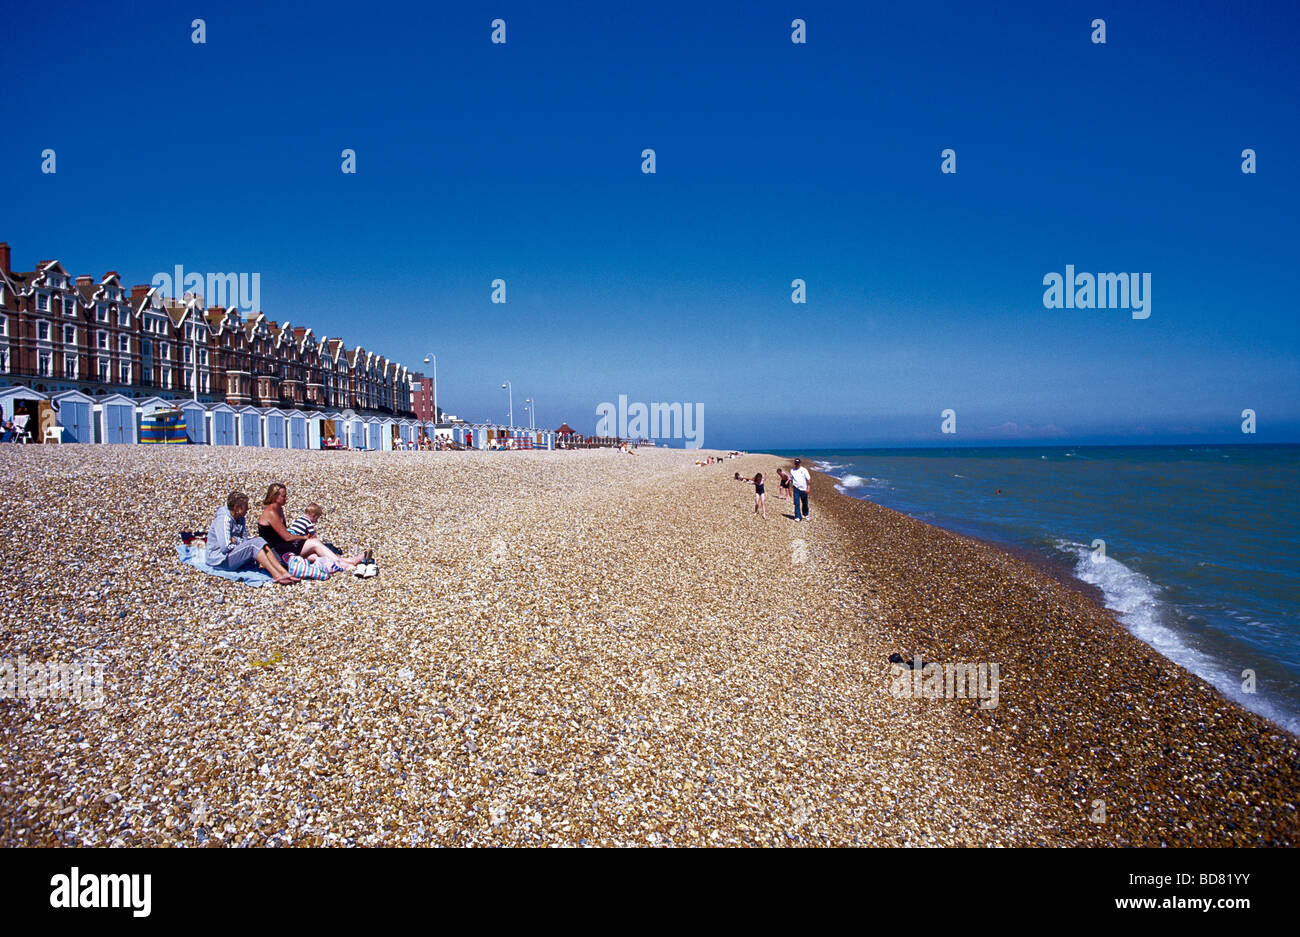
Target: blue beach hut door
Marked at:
119, 422
75, 417
275, 432
250, 425
223, 428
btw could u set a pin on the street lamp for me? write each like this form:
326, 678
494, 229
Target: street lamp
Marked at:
532, 413
436, 418
507, 386
194, 352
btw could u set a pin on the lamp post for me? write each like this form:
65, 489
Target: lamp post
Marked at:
507, 386
532, 414
436, 417
194, 352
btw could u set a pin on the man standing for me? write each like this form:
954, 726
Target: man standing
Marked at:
799, 478
230, 548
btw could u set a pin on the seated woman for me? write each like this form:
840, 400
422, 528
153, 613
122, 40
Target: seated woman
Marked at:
271, 527
230, 548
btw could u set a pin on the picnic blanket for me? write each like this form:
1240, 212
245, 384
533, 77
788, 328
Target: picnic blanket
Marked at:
193, 556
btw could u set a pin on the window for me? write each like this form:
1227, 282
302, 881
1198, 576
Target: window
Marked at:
203, 357
4, 360
43, 364
101, 340
4, 326
70, 334
70, 367
124, 343
69, 306
103, 370
186, 355
42, 331
124, 317
101, 312
167, 378
163, 350
205, 384
43, 302
125, 371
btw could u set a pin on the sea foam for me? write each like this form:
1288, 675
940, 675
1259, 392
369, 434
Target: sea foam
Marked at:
1136, 598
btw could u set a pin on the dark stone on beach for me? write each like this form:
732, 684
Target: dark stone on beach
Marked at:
896, 658
540, 772
122, 613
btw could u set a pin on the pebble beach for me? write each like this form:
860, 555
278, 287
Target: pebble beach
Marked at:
581, 648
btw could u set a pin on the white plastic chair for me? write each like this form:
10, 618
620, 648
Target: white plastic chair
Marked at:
53, 434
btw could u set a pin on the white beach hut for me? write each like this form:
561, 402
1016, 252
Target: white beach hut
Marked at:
275, 426
75, 415
374, 432
196, 421
23, 403
320, 428
221, 420
115, 416
250, 426
387, 429
298, 425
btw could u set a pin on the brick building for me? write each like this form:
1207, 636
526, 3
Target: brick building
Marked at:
61, 333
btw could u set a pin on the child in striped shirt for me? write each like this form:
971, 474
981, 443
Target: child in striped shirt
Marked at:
305, 526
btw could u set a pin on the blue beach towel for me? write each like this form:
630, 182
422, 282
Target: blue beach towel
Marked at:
191, 556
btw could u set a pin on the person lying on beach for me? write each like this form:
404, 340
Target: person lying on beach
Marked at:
760, 499
230, 548
272, 529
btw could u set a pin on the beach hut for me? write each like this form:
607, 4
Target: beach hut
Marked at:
297, 429
376, 430
75, 412
276, 429
223, 418
156, 420
250, 426
357, 433
24, 405
326, 424
196, 421
387, 432
115, 415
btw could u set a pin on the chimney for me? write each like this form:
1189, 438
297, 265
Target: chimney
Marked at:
4, 257
85, 280
139, 290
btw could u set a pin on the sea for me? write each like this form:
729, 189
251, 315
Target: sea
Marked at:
1194, 547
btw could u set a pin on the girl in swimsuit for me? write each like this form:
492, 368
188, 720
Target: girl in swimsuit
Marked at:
760, 499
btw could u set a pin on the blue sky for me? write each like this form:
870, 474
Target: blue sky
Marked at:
775, 161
